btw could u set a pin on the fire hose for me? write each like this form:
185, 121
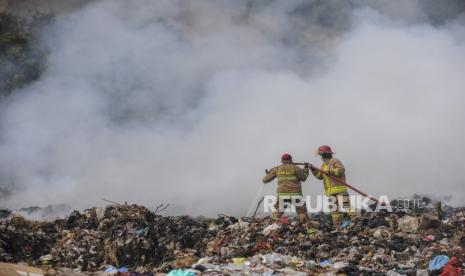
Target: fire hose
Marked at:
339, 181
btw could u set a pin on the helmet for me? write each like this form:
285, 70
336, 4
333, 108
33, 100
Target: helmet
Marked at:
286, 157
325, 149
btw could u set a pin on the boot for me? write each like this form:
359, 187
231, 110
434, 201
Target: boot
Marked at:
337, 219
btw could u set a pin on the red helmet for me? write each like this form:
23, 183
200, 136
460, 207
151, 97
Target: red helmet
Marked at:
325, 149
286, 157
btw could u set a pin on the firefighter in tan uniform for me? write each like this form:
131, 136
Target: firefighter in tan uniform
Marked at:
289, 187
333, 167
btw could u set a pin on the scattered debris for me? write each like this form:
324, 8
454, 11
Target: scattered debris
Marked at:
131, 239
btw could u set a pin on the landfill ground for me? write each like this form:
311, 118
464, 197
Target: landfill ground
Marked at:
132, 240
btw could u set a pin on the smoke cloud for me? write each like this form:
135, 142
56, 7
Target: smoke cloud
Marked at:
188, 102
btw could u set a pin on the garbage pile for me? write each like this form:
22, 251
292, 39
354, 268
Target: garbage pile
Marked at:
125, 235
21, 239
399, 242
133, 238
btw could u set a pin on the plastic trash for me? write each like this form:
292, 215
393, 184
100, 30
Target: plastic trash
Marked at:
114, 270
239, 261
123, 269
141, 232
45, 259
452, 268
271, 228
203, 261
111, 269
240, 225
180, 272
438, 262
429, 238
346, 223
339, 265
325, 263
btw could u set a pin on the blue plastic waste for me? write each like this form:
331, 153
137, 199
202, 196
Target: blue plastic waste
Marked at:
346, 223
180, 272
142, 231
438, 262
325, 263
112, 269
123, 269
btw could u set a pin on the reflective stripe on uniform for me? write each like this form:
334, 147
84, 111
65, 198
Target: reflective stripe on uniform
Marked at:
290, 194
286, 173
326, 178
337, 189
330, 190
287, 178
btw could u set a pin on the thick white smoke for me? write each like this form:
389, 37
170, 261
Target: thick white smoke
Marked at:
188, 102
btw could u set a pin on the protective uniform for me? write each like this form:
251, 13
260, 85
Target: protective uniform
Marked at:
289, 177
332, 188
335, 168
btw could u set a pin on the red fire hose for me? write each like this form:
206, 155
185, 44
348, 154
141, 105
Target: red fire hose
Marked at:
340, 181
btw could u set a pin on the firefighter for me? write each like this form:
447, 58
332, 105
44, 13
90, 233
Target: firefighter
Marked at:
289, 187
333, 168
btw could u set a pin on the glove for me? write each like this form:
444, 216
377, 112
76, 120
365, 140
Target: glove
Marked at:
267, 171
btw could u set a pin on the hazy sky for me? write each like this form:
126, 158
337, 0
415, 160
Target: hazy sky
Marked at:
187, 102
